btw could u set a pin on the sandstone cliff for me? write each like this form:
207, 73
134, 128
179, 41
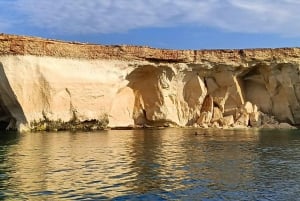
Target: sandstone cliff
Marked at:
62, 82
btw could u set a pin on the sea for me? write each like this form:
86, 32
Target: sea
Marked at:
151, 164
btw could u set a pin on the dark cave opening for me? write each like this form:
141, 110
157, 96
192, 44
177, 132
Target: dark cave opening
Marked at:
6, 119
3, 125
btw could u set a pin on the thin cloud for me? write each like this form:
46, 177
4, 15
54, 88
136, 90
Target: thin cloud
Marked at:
7, 19
111, 16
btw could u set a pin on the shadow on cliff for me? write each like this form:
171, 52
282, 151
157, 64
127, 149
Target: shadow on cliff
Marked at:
148, 82
11, 112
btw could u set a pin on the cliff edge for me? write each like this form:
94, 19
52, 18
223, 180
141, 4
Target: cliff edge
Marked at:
75, 85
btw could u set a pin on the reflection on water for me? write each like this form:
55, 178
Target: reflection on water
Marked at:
170, 164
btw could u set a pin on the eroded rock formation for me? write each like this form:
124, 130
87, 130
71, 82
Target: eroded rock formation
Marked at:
141, 86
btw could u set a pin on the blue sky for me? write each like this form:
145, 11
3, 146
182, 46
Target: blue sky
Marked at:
175, 24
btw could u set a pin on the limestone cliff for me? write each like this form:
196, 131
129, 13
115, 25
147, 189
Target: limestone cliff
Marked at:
57, 81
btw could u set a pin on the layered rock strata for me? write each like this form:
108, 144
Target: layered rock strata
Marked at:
54, 81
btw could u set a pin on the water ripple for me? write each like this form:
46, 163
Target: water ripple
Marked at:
170, 164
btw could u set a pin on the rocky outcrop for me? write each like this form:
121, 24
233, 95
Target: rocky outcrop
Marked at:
59, 82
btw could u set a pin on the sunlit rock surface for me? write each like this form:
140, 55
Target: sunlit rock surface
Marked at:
141, 86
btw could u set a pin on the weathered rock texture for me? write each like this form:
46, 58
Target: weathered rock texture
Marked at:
142, 86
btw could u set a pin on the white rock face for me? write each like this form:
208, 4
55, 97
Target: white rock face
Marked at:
33, 87
145, 93
60, 88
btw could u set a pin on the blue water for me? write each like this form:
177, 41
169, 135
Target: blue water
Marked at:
169, 164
